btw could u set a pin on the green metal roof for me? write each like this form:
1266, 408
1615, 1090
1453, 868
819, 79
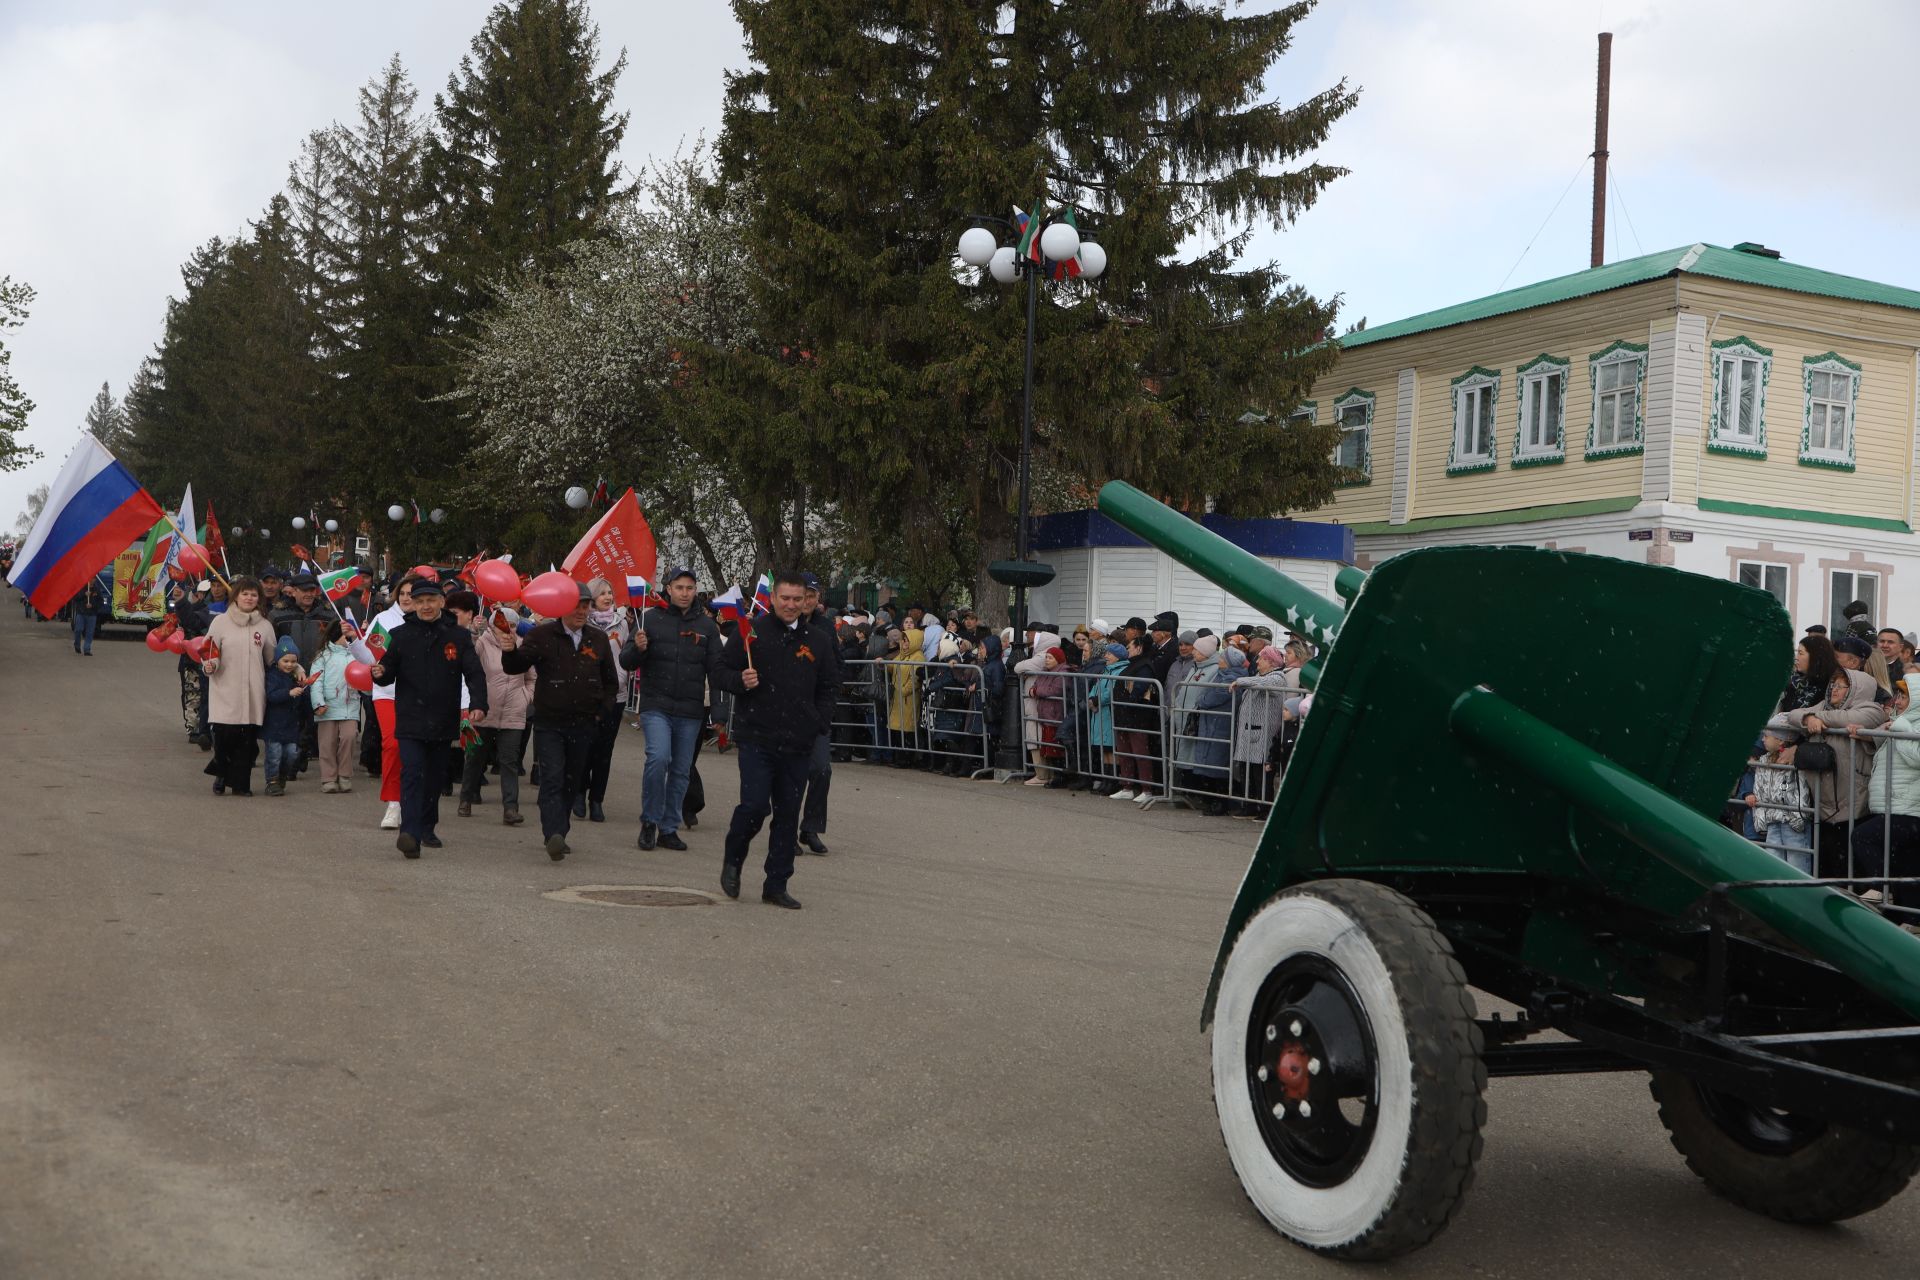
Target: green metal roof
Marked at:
1697, 259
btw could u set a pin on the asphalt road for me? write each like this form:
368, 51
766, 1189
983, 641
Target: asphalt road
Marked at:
245, 1038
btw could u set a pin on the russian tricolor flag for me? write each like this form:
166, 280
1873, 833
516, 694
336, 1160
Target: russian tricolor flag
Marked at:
763, 594
94, 511
728, 605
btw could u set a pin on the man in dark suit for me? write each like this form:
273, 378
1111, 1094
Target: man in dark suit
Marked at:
428, 658
782, 674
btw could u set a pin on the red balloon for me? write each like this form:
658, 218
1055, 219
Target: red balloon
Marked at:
156, 641
425, 571
497, 581
197, 648
551, 594
360, 676
176, 641
194, 559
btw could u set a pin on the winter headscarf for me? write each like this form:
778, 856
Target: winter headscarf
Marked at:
1273, 655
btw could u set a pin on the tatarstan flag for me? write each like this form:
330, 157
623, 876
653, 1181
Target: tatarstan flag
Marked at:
1030, 235
340, 583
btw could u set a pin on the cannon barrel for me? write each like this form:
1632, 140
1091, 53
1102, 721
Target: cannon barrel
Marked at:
1220, 562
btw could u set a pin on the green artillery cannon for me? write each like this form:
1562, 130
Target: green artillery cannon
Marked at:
1506, 783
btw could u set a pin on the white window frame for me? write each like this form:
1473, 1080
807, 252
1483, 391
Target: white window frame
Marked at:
1476, 392
1355, 398
1767, 567
362, 545
1617, 355
1535, 374
1729, 432
1836, 597
1307, 410
1833, 365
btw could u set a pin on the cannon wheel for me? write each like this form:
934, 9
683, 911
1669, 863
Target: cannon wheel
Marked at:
1342, 995
1794, 1168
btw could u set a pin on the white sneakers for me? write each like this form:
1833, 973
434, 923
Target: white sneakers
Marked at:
1143, 798
1125, 794
392, 821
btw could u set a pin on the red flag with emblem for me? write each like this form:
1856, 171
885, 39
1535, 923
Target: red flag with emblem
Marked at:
618, 546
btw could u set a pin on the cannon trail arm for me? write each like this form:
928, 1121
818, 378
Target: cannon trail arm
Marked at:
1834, 926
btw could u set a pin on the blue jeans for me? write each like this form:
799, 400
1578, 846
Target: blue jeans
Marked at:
281, 758
1795, 848
770, 782
671, 741
84, 625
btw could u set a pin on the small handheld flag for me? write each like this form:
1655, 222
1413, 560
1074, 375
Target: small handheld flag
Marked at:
763, 594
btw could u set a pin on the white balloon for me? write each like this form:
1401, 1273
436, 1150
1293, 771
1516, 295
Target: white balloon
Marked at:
333, 526
1093, 260
577, 498
299, 522
976, 246
437, 514
1002, 267
1060, 242
236, 531
396, 512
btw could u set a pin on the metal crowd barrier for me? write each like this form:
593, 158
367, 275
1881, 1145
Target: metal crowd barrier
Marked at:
914, 715
1858, 849
1078, 737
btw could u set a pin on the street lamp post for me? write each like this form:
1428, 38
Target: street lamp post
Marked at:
1052, 248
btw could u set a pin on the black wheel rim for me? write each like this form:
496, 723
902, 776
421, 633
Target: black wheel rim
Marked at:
1312, 1072
1765, 1131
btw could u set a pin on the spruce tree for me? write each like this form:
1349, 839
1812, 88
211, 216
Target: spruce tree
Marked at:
869, 132
522, 159
106, 420
393, 440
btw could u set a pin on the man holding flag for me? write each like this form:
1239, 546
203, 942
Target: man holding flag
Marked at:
674, 652
782, 677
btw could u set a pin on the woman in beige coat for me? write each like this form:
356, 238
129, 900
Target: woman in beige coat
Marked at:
1851, 702
237, 687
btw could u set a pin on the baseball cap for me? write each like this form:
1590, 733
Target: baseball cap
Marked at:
674, 575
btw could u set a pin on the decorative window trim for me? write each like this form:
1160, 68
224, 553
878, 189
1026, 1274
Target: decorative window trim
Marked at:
1363, 475
1308, 409
1739, 346
1470, 380
1831, 362
1620, 352
1541, 366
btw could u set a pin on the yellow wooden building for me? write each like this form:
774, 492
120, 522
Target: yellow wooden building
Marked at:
1719, 410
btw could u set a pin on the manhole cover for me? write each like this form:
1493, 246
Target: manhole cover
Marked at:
631, 895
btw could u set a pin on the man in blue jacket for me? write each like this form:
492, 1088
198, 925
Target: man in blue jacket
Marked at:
782, 674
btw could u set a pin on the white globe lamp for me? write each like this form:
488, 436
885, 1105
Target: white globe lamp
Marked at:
437, 515
1093, 260
1060, 242
396, 513
333, 526
299, 523
976, 246
577, 498
1001, 266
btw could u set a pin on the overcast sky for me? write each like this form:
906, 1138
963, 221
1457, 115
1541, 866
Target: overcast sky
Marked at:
135, 131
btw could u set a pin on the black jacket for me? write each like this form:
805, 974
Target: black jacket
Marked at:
682, 647
572, 687
307, 627
1138, 694
425, 662
798, 677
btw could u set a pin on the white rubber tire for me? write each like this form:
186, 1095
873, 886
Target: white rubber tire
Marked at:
1431, 1080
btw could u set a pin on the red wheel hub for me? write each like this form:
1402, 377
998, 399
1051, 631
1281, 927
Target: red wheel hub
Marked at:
1291, 1071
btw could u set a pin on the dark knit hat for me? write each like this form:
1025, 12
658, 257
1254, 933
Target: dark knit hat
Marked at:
1848, 642
1137, 624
